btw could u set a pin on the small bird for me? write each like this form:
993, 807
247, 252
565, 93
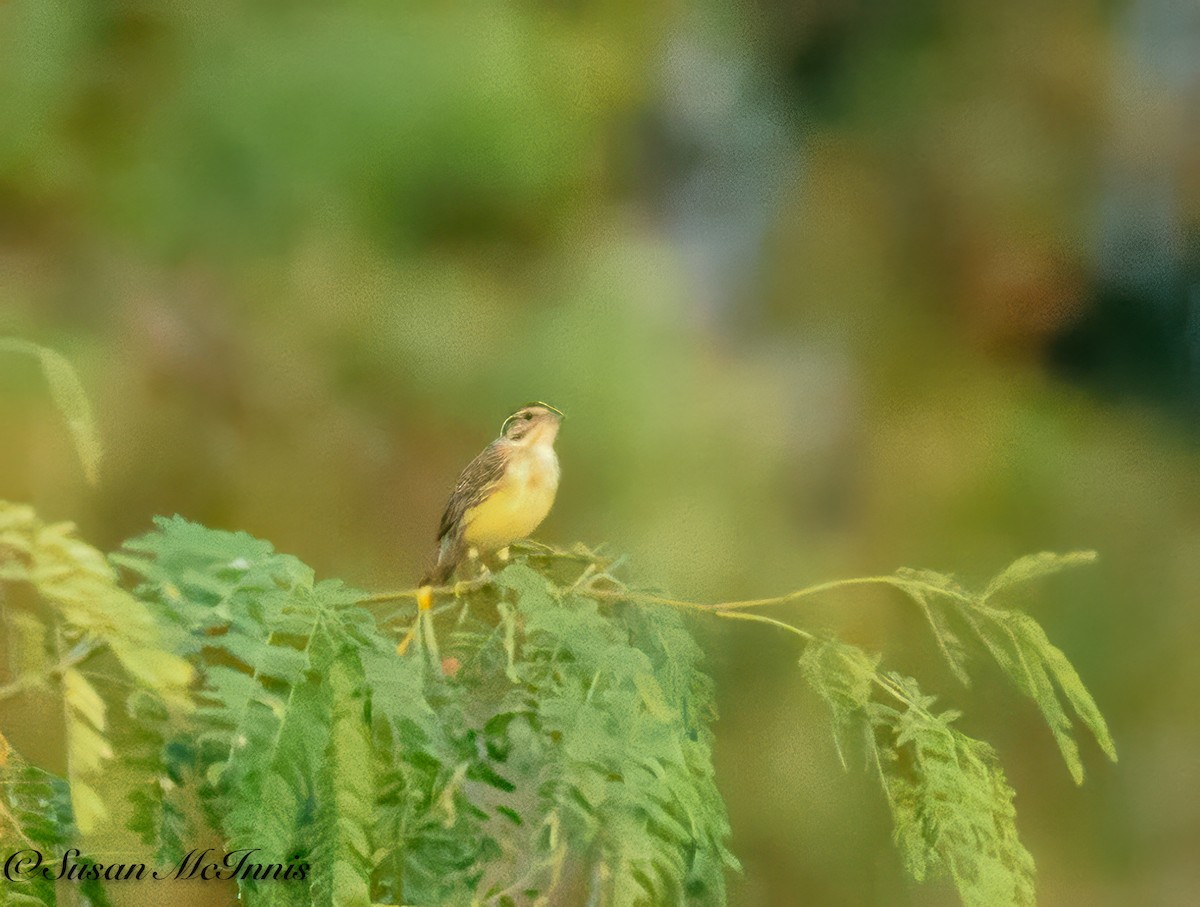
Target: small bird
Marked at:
504, 493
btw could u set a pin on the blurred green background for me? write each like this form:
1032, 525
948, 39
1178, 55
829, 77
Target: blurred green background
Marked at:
824, 288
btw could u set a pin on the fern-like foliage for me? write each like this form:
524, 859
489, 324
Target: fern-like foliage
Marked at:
560, 752
69, 398
950, 802
77, 585
568, 752
1016, 642
35, 815
605, 716
279, 746
554, 747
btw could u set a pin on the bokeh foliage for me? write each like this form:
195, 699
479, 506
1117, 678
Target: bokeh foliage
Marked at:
795, 273
560, 754
319, 750
566, 756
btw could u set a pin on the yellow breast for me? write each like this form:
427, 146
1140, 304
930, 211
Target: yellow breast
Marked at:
519, 503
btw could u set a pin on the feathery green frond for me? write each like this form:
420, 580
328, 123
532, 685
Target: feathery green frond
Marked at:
1035, 566
156, 748
558, 748
70, 398
1015, 641
951, 805
842, 675
617, 711
76, 581
284, 743
345, 801
35, 814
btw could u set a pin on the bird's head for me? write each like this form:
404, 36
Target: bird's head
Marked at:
533, 422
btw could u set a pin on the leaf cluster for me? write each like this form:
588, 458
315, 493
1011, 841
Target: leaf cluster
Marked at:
90, 613
569, 750
950, 803
554, 747
951, 806
1016, 642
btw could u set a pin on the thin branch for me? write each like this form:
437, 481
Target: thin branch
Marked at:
400, 595
762, 619
728, 612
29, 681
455, 591
810, 591
807, 592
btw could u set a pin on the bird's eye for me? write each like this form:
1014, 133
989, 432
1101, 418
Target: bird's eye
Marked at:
528, 416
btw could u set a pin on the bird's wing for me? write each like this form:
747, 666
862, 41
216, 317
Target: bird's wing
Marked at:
473, 486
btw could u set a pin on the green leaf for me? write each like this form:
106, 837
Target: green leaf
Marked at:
532, 591
923, 588
652, 696
1066, 677
1036, 566
28, 649
1016, 642
75, 579
88, 748
345, 804
842, 675
70, 398
951, 805
35, 813
618, 742
952, 809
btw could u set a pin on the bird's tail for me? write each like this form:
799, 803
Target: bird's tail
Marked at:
437, 576
450, 552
